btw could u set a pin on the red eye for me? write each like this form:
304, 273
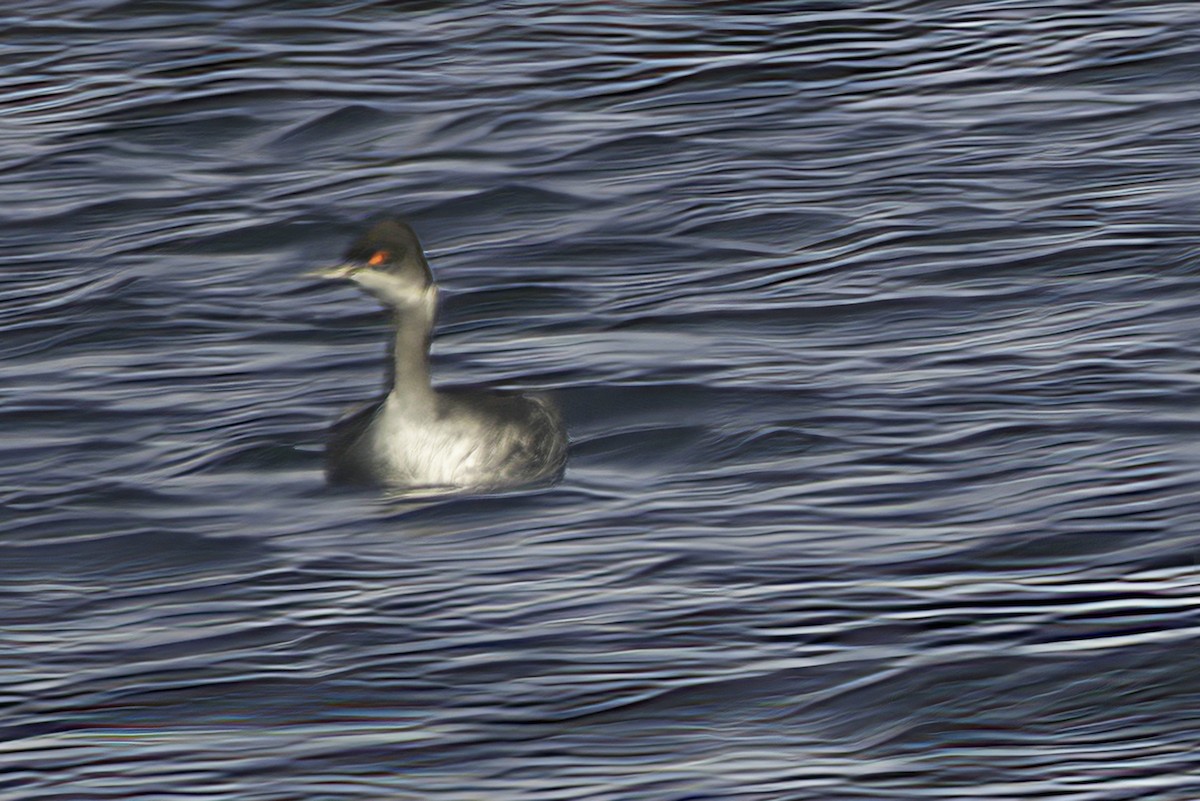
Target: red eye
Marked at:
379, 258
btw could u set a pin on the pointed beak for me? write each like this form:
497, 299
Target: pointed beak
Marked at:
338, 271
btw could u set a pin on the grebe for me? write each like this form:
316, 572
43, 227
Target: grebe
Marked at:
419, 437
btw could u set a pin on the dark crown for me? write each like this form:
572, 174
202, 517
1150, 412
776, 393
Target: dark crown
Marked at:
391, 246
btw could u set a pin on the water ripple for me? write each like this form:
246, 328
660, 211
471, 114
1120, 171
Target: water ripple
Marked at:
872, 326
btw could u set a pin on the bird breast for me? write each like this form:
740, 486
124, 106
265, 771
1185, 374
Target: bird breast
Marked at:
430, 450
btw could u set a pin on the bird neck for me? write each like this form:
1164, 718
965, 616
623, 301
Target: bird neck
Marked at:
410, 349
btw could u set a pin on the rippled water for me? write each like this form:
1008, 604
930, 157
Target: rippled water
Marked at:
875, 329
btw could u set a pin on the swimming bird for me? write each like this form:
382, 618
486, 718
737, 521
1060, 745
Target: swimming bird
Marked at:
425, 438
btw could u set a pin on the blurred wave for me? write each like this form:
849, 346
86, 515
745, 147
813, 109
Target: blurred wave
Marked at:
873, 328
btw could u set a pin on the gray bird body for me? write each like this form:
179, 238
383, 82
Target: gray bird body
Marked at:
464, 439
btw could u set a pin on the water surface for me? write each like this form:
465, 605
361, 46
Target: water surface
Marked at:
873, 323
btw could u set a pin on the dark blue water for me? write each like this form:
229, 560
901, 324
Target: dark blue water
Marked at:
874, 324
